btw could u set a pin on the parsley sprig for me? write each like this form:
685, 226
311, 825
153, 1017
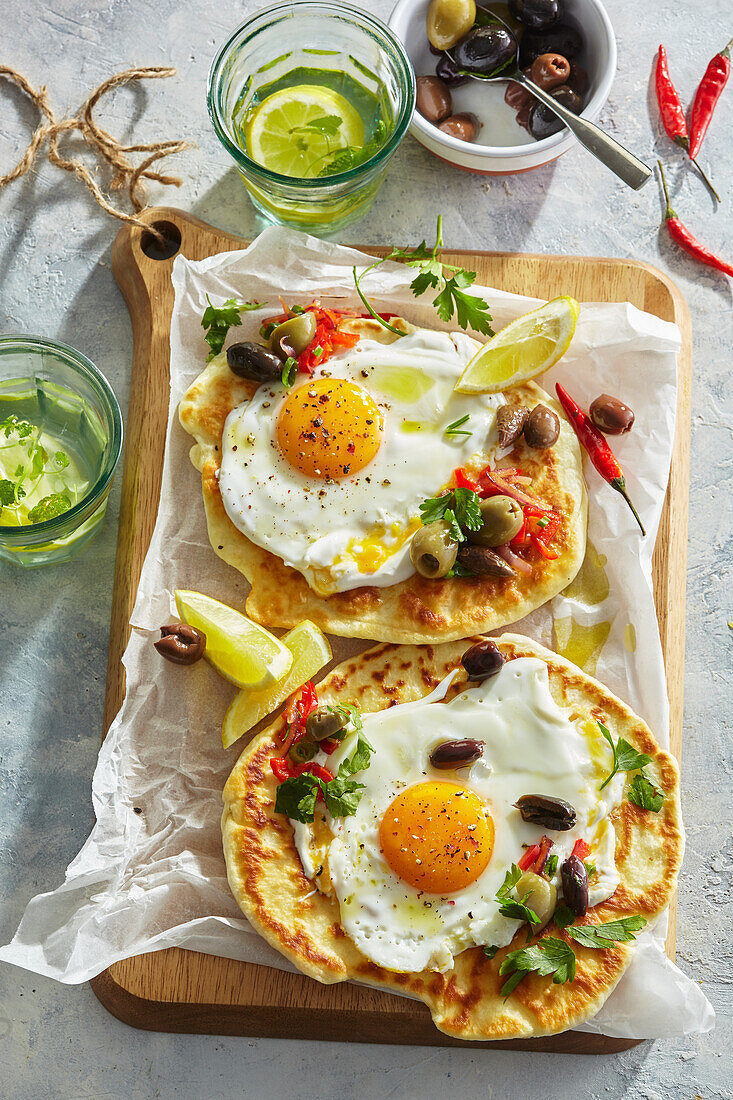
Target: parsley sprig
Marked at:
452, 284
217, 320
459, 509
642, 792
37, 462
511, 907
296, 797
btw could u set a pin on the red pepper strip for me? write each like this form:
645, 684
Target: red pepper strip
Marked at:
545, 551
528, 858
673, 116
682, 236
463, 480
314, 769
597, 448
297, 711
280, 768
491, 482
328, 745
581, 849
539, 864
707, 96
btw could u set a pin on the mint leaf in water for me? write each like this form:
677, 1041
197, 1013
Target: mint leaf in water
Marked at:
7, 493
49, 507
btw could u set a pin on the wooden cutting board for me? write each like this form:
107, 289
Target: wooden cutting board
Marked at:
178, 990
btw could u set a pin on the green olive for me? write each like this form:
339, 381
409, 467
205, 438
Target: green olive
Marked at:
303, 751
501, 520
324, 723
449, 20
433, 551
542, 897
294, 335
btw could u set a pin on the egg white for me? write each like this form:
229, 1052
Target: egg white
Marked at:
318, 527
531, 747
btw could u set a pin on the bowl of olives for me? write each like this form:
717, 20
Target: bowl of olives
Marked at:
498, 127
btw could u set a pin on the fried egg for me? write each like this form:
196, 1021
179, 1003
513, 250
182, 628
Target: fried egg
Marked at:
330, 474
416, 869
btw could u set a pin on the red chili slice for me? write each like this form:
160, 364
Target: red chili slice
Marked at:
581, 849
530, 855
280, 768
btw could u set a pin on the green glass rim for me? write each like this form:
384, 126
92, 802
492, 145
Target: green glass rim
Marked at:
64, 524
406, 79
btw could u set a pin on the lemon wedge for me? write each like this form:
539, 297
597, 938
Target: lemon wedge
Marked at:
525, 348
294, 131
239, 649
310, 651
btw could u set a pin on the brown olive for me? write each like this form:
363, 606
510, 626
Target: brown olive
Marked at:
542, 899
578, 81
465, 126
449, 20
550, 70
248, 360
516, 96
294, 335
574, 878
523, 115
456, 754
611, 415
482, 561
550, 813
434, 101
180, 643
303, 750
510, 421
501, 520
483, 660
323, 723
433, 551
542, 428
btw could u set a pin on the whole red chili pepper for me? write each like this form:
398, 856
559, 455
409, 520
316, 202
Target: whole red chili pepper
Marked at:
707, 96
681, 234
673, 116
597, 447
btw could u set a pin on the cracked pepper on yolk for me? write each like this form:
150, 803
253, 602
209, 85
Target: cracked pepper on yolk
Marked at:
329, 428
437, 836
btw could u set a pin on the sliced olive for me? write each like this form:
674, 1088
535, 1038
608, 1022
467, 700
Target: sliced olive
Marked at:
550, 813
456, 754
303, 750
483, 561
252, 361
294, 335
449, 20
482, 660
324, 723
542, 899
574, 879
542, 428
433, 551
510, 419
501, 520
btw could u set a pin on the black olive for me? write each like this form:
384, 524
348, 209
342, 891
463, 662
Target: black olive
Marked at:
456, 754
536, 14
543, 122
486, 50
252, 361
562, 39
448, 73
575, 885
550, 813
483, 660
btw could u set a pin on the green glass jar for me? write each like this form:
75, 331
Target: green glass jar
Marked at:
60, 441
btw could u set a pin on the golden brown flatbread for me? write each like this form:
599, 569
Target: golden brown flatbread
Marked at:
268, 882
415, 610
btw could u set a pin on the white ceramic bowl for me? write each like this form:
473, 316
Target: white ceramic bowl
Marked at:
598, 58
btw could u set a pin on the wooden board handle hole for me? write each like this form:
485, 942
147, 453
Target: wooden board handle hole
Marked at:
154, 248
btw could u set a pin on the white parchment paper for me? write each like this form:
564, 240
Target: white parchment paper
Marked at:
152, 874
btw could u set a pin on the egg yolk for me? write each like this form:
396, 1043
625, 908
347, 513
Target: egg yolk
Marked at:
438, 836
329, 428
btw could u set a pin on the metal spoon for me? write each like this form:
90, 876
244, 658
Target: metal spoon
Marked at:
624, 164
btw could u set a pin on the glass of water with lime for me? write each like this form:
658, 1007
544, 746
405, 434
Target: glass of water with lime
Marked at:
311, 101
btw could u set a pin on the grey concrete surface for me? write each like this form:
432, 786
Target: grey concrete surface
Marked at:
55, 279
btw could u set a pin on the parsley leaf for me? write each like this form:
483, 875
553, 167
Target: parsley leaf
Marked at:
517, 910
359, 759
511, 878
49, 507
453, 429
459, 509
642, 792
217, 320
600, 936
342, 796
550, 956
563, 915
625, 756
7, 493
296, 797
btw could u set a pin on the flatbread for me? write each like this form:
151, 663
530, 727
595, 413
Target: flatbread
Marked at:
268, 882
415, 610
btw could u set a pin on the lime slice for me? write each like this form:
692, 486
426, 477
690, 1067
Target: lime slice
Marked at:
310, 652
239, 649
525, 348
279, 136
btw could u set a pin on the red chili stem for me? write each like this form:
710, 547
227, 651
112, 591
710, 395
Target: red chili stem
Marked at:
679, 233
707, 96
673, 115
597, 448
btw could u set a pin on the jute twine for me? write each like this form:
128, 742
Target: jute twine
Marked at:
126, 174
